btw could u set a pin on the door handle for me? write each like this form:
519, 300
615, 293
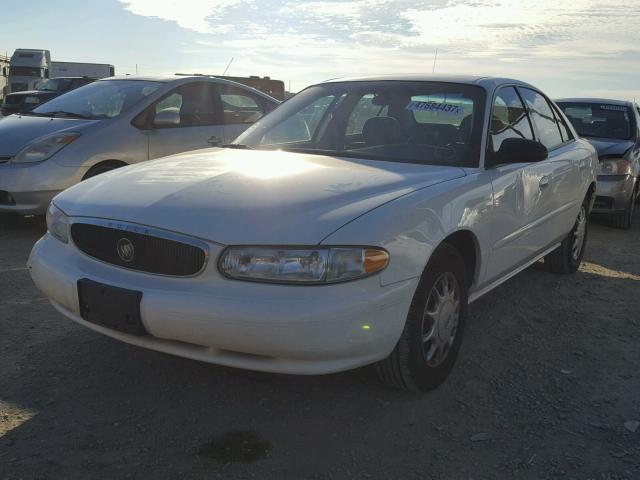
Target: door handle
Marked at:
544, 182
213, 140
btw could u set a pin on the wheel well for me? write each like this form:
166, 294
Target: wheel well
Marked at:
466, 243
110, 164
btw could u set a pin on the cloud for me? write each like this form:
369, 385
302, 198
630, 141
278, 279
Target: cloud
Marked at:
190, 14
312, 40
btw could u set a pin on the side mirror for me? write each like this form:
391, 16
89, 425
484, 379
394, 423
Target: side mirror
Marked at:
519, 150
167, 118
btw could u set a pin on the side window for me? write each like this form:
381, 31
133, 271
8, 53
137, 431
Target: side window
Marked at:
363, 111
240, 106
508, 119
195, 103
546, 123
564, 129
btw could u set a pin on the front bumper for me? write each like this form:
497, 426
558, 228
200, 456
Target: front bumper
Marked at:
613, 193
27, 188
274, 328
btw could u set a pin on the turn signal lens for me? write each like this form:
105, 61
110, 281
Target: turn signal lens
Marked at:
375, 260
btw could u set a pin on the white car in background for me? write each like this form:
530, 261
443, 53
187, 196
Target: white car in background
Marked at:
351, 226
115, 122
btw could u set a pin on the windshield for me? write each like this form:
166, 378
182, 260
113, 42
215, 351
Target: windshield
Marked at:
105, 99
599, 120
415, 122
56, 85
25, 71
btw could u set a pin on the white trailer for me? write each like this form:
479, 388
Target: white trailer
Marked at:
76, 69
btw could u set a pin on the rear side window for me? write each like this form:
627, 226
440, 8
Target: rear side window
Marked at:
564, 129
509, 118
240, 106
543, 118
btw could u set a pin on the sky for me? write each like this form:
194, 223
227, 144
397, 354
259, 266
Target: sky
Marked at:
566, 48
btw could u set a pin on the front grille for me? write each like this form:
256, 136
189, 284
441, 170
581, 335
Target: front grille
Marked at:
138, 251
13, 99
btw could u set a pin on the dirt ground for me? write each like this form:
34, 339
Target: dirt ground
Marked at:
548, 376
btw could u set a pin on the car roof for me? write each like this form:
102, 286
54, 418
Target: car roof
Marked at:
607, 101
180, 79
485, 81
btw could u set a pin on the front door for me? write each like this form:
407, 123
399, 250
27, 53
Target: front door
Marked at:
199, 120
521, 191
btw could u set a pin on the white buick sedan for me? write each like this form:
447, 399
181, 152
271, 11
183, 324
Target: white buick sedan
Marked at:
351, 226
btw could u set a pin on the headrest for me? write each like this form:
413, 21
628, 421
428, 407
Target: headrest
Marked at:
382, 131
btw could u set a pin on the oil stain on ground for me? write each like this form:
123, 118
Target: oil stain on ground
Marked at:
236, 447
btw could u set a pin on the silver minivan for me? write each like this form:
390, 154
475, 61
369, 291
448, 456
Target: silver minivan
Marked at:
116, 122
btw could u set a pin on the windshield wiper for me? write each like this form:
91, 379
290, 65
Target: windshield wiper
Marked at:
67, 114
237, 146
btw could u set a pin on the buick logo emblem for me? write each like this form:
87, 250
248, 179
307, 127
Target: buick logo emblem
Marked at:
125, 250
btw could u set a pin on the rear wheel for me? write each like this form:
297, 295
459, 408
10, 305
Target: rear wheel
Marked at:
568, 256
430, 341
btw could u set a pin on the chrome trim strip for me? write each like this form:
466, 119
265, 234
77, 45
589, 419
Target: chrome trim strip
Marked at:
142, 230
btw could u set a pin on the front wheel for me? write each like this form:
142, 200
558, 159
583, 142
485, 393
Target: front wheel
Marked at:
430, 341
568, 256
623, 220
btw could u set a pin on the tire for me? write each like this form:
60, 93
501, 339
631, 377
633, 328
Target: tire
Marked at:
415, 364
623, 220
567, 258
98, 169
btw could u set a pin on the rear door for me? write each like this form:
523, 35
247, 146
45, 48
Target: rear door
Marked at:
200, 120
240, 109
559, 186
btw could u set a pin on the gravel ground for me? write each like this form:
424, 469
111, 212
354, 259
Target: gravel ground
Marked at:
548, 376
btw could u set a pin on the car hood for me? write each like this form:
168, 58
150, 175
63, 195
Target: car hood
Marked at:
609, 147
17, 131
248, 197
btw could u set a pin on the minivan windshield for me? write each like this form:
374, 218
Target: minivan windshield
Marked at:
599, 120
99, 100
422, 122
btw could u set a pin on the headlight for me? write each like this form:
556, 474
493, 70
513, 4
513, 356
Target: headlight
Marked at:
615, 166
31, 100
304, 265
57, 223
45, 148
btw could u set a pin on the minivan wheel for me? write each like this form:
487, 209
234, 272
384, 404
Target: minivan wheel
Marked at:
430, 341
568, 256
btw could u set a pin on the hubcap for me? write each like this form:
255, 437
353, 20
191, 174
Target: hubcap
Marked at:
440, 319
578, 236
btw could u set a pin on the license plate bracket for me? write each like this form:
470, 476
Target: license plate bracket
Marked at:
111, 307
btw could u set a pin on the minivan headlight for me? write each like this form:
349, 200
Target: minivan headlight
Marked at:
45, 148
302, 265
615, 166
58, 223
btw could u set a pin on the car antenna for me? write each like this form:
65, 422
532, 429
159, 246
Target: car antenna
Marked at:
228, 65
435, 59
